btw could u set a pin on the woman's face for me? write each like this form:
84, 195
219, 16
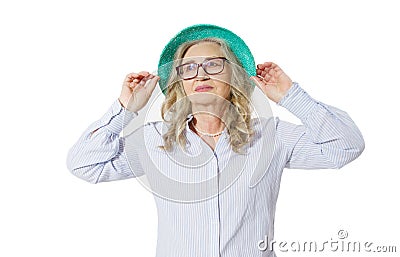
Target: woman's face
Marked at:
202, 86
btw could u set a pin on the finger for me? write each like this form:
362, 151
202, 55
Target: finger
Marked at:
152, 83
138, 75
142, 82
141, 78
128, 78
146, 78
278, 69
274, 65
132, 83
264, 65
144, 73
270, 64
272, 72
132, 76
265, 69
261, 70
264, 72
261, 66
257, 80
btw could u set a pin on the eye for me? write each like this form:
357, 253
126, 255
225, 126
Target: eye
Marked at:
213, 64
190, 67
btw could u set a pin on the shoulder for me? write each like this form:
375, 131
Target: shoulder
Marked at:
284, 127
263, 124
287, 133
264, 129
275, 127
146, 131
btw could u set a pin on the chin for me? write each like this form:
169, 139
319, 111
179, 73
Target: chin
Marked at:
201, 98
207, 99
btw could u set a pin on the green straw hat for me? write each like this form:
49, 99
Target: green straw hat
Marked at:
202, 31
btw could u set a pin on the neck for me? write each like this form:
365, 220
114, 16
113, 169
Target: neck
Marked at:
209, 118
207, 123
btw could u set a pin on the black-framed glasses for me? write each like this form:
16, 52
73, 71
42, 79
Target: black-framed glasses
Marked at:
211, 66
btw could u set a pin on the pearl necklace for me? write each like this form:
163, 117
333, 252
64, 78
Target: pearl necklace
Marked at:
205, 133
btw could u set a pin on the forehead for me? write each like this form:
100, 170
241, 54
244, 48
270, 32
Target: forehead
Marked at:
204, 49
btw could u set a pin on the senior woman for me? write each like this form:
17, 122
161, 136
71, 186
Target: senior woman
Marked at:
213, 167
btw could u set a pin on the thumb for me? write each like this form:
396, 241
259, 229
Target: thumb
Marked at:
255, 78
152, 83
257, 81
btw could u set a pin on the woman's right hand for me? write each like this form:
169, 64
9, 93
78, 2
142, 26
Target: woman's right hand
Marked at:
134, 94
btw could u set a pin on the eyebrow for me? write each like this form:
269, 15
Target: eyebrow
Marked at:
193, 60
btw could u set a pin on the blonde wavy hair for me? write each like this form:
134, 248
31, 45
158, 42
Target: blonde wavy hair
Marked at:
176, 106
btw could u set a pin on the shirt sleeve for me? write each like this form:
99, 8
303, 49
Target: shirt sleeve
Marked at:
99, 154
328, 137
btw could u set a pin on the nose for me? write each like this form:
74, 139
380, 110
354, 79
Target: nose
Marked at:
202, 74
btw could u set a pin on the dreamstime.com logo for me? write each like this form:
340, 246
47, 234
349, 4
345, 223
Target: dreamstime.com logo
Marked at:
339, 244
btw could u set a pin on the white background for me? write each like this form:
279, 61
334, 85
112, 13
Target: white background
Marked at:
62, 64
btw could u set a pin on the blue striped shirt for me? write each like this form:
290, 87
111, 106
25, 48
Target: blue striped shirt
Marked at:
217, 202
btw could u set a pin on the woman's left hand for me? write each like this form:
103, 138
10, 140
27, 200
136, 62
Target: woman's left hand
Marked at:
272, 81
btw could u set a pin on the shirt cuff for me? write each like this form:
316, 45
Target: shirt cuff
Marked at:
117, 117
298, 102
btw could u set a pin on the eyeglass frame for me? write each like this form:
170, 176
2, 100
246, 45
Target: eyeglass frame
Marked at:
201, 64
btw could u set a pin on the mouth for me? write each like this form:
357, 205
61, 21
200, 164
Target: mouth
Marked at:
203, 88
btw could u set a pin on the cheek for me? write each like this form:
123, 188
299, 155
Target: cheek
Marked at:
224, 89
225, 77
187, 87
223, 84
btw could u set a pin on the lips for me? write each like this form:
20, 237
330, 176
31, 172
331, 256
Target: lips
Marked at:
203, 88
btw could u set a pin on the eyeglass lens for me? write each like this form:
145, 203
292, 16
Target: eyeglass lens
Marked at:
211, 67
